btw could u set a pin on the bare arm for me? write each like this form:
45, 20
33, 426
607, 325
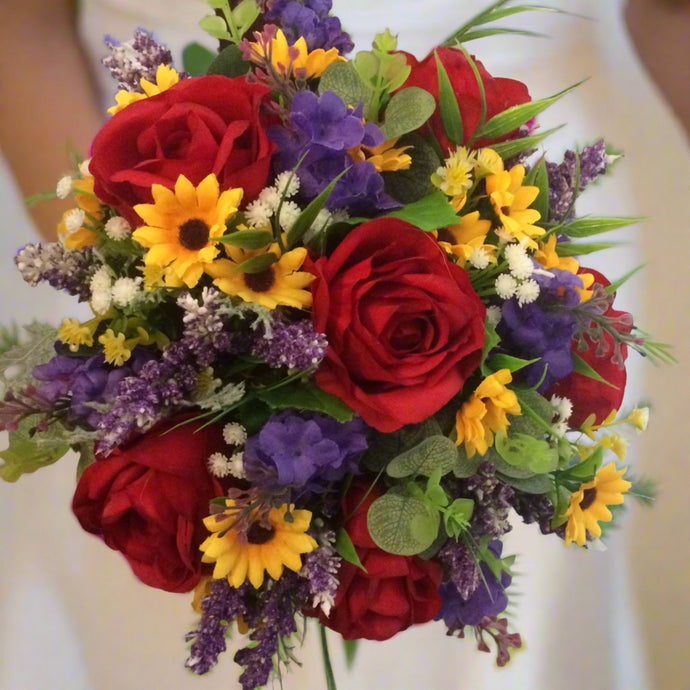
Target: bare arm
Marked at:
49, 106
660, 30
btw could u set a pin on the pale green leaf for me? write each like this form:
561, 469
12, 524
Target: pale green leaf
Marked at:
407, 110
215, 26
583, 248
343, 79
435, 453
17, 364
432, 212
527, 452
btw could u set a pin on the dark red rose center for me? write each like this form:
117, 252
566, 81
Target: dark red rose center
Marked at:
194, 234
262, 281
259, 534
588, 496
408, 335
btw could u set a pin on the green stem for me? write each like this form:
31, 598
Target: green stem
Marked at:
328, 669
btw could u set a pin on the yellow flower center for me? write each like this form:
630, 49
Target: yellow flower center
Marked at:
262, 281
194, 234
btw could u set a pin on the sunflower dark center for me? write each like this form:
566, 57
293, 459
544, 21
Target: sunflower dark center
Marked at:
259, 534
588, 496
262, 281
505, 210
194, 234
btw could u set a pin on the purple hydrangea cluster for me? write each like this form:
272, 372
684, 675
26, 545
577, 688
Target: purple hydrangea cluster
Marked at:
63, 269
134, 60
487, 600
320, 130
543, 328
291, 344
310, 19
303, 452
563, 178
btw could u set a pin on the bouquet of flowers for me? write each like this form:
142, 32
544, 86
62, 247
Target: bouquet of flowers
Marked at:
338, 332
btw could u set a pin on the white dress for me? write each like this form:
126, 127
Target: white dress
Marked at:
73, 617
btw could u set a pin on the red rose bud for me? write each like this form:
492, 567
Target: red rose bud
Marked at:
394, 593
404, 326
201, 125
500, 93
148, 500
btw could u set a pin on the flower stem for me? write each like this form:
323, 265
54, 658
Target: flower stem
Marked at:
328, 669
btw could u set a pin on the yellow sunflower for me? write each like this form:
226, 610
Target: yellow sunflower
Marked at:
469, 234
279, 283
266, 547
588, 504
181, 226
165, 78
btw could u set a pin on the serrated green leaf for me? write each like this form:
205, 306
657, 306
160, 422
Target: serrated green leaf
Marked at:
196, 59
435, 453
528, 452
257, 263
584, 369
588, 226
343, 79
509, 149
306, 396
17, 364
432, 212
448, 106
247, 239
407, 111
402, 524
28, 452
583, 248
229, 63
539, 178
517, 115
346, 549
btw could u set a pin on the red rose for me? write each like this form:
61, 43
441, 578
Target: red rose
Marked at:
200, 126
394, 593
404, 326
588, 395
148, 500
500, 93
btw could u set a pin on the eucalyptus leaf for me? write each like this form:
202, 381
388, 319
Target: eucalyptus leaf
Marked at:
435, 453
257, 263
536, 484
197, 59
432, 212
527, 452
248, 239
229, 63
343, 79
407, 111
512, 471
402, 524
588, 226
448, 106
17, 364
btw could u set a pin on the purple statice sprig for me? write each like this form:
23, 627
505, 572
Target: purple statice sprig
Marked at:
321, 568
289, 344
496, 628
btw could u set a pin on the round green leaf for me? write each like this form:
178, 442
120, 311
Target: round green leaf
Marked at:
433, 453
407, 111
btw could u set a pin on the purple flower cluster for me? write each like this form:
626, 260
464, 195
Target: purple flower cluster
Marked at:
303, 452
134, 60
291, 344
310, 19
461, 566
563, 178
321, 572
487, 600
543, 328
322, 129
63, 269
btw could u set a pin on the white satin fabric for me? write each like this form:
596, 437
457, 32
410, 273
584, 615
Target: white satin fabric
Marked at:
73, 617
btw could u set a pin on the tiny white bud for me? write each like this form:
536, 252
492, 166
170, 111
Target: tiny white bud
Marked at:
74, 219
117, 228
64, 187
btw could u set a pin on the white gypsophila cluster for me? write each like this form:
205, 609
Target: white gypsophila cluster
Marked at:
100, 285
520, 263
260, 212
480, 258
126, 291
118, 228
289, 212
518, 282
64, 187
257, 214
505, 286
234, 434
236, 466
527, 291
228, 395
287, 183
84, 167
563, 408
493, 315
74, 219
218, 465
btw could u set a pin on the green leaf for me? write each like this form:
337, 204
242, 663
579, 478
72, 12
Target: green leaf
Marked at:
498, 31
343, 79
350, 647
245, 14
306, 396
491, 340
448, 105
613, 287
432, 454
500, 361
17, 364
196, 59
402, 524
510, 119
509, 149
588, 226
407, 111
215, 26
506, 469
414, 183
86, 457
582, 248
28, 452
9, 338
346, 549
583, 368
584, 471
229, 63
432, 212
537, 407
384, 447
527, 452
257, 263
466, 467
539, 177
456, 517
536, 484
248, 239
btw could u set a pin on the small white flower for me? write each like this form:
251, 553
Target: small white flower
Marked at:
258, 214
479, 258
236, 466
219, 465
493, 315
505, 286
84, 167
100, 301
64, 187
125, 291
101, 280
289, 213
117, 228
527, 292
269, 197
519, 261
559, 429
562, 406
324, 601
234, 434
74, 219
287, 184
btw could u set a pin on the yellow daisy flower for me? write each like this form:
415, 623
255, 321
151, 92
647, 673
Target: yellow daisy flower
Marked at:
485, 413
511, 201
488, 162
181, 227
384, 157
165, 78
462, 239
86, 201
268, 545
455, 177
280, 283
588, 505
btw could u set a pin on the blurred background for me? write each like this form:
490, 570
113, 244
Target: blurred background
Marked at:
73, 617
